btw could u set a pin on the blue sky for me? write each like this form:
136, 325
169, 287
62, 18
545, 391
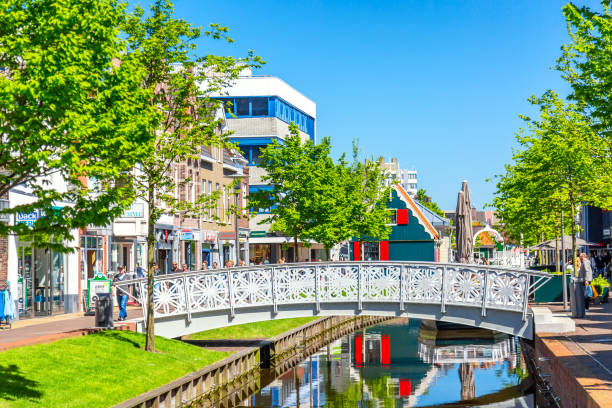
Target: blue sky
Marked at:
437, 84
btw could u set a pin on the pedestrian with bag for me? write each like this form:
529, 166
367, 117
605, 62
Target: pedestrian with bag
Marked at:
122, 297
586, 273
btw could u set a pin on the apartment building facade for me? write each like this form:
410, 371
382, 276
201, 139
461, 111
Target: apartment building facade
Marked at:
259, 110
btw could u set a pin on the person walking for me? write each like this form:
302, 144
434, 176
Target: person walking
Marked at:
586, 273
185, 268
122, 297
175, 268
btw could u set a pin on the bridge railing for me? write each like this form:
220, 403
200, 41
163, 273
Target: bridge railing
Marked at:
482, 286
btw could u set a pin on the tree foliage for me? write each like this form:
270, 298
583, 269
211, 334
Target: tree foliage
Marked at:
424, 199
182, 117
311, 198
585, 63
553, 171
68, 114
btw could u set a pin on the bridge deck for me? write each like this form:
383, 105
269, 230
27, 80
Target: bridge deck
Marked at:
476, 295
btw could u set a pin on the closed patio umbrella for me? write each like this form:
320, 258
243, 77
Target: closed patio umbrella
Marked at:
465, 235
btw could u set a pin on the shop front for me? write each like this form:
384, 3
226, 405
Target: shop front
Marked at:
164, 241
209, 240
227, 242
189, 248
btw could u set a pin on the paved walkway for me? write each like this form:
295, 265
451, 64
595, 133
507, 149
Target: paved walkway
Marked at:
46, 329
585, 355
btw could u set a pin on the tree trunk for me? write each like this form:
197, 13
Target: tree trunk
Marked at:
557, 257
295, 250
574, 254
150, 342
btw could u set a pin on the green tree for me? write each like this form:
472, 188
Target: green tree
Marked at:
427, 202
585, 63
182, 116
554, 171
311, 198
68, 116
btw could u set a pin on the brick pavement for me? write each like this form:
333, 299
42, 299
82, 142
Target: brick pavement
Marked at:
579, 364
48, 329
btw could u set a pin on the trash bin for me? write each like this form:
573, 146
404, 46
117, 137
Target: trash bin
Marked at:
577, 297
104, 310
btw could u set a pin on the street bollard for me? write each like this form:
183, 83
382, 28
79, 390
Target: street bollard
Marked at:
104, 310
577, 297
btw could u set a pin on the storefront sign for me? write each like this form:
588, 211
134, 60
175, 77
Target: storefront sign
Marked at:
606, 232
99, 284
227, 235
187, 235
258, 234
136, 210
209, 236
28, 219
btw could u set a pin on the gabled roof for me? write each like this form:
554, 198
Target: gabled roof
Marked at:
434, 219
416, 211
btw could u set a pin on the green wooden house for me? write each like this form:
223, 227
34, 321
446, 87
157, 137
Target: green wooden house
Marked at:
412, 238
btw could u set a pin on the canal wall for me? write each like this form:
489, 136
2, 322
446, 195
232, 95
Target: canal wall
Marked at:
230, 381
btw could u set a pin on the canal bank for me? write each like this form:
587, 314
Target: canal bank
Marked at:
576, 367
228, 382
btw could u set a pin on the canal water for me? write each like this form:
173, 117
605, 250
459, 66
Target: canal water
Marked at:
405, 363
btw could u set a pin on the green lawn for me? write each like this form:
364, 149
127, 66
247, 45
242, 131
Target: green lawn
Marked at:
98, 370
257, 330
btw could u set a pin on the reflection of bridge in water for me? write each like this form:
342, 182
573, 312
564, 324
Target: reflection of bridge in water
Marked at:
381, 365
454, 346
474, 295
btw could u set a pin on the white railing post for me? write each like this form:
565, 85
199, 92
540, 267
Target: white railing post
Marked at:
273, 287
230, 293
401, 288
485, 289
359, 289
316, 286
526, 295
443, 291
250, 280
187, 299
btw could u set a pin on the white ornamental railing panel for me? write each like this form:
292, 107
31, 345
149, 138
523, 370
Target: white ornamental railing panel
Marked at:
484, 287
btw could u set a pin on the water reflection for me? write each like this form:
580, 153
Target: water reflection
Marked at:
404, 363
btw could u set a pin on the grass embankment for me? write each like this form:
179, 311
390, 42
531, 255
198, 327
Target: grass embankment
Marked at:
256, 330
98, 370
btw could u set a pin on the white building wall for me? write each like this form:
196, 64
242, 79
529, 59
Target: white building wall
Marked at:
262, 85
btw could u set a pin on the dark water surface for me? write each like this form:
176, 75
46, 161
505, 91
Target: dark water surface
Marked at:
405, 363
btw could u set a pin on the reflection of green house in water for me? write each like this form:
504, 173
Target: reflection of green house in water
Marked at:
412, 238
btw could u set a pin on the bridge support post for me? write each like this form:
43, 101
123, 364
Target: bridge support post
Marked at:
359, 289
230, 293
317, 288
187, 301
443, 292
484, 294
401, 288
273, 285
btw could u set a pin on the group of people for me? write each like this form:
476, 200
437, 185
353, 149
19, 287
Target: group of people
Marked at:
588, 268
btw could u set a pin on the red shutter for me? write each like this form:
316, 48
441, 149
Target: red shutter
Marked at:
384, 250
357, 251
358, 349
385, 345
404, 387
402, 217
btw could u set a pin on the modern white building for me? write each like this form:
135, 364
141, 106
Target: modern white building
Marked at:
407, 178
259, 110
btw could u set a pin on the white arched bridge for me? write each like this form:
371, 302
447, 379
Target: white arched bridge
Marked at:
475, 295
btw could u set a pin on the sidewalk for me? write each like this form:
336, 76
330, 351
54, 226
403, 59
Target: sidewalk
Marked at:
47, 329
580, 365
